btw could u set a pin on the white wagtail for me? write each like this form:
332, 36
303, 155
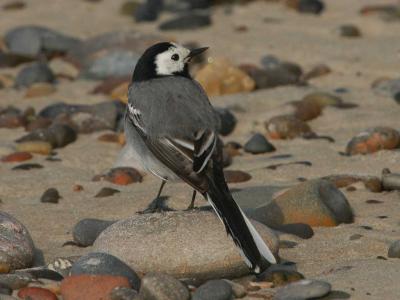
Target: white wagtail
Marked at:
172, 127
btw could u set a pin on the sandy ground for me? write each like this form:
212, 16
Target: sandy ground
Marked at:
349, 265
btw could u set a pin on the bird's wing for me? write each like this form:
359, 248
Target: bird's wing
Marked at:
187, 138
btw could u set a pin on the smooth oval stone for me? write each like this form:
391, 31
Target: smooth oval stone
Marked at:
390, 181
117, 63
228, 120
16, 245
394, 250
149, 243
280, 277
162, 287
303, 289
314, 202
258, 144
310, 6
35, 72
51, 195
214, 290
53, 110
86, 231
186, 22
34, 40
97, 263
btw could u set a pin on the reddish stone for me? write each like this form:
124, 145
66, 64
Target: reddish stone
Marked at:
373, 140
77, 188
17, 157
36, 293
91, 287
120, 176
235, 176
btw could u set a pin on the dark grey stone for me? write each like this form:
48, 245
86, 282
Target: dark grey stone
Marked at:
86, 231
97, 263
394, 249
302, 290
187, 22
258, 144
311, 6
228, 120
148, 11
158, 286
51, 195
214, 290
35, 72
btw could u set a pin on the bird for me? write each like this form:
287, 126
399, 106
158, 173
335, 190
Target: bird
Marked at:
172, 127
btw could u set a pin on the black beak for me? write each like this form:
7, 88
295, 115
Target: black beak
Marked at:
196, 52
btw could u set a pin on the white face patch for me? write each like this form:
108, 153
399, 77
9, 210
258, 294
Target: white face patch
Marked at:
171, 61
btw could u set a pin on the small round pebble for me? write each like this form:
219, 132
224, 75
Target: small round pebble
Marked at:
394, 250
214, 290
51, 195
349, 30
303, 289
228, 120
258, 144
86, 231
106, 192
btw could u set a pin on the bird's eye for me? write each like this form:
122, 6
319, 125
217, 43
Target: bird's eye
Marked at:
175, 57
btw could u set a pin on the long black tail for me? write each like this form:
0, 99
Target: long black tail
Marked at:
253, 249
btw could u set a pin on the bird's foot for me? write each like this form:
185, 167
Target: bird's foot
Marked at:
156, 206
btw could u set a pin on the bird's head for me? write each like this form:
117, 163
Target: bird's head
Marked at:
164, 59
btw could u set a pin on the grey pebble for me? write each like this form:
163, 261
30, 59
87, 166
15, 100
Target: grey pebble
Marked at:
15, 281
86, 231
33, 73
157, 286
303, 289
106, 192
258, 144
214, 290
227, 119
97, 263
186, 22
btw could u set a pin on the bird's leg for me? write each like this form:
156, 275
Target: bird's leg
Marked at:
191, 205
157, 205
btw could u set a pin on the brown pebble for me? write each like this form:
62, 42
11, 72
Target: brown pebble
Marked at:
38, 123
236, 176
109, 137
316, 71
51, 195
77, 188
307, 110
17, 157
91, 287
4, 268
40, 89
351, 189
286, 127
14, 5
